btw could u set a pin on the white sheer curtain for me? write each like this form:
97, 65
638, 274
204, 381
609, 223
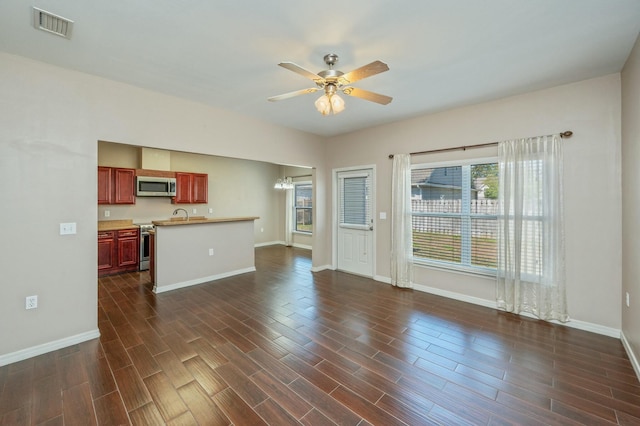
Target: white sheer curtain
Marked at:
531, 270
288, 218
401, 233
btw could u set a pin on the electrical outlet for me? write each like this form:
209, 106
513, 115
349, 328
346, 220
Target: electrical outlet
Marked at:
210, 252
627, 299
31, 302
210, 211
261, 229
194, 211
107, 213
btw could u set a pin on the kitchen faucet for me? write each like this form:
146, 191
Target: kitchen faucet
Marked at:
175, 212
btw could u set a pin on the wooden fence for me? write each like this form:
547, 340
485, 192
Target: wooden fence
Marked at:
484, 228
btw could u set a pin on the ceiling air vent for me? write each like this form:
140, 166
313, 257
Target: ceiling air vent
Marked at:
47, 21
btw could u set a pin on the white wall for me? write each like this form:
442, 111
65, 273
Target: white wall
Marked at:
50, 122
631, 199
591, 109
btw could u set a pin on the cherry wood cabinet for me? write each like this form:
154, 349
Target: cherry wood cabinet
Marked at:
184, 187
200, 190
118, 251
124, 191
106, 251
128, 249
191, 188
116, 185
105, 184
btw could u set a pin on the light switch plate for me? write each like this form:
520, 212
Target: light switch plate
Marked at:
67, 228
383, 215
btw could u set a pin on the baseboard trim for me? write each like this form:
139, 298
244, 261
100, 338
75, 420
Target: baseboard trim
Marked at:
386, 280
580, 325
631, 354
268, 243
201, 280
320, 268
48, 347
302, 246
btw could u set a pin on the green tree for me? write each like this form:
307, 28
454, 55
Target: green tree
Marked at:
490, 174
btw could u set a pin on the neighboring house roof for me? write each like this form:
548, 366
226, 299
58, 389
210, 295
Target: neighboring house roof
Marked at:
442, 177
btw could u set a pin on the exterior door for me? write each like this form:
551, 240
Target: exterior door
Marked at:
355, 222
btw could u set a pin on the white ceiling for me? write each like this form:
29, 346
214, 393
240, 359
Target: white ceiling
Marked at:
441, 53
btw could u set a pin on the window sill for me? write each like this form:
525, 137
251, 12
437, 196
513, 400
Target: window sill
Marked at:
302, 233
458, 269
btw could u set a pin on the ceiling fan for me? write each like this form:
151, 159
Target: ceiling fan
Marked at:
333, 81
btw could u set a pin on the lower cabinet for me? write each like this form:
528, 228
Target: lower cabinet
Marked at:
106, 251
128, 248
118, 251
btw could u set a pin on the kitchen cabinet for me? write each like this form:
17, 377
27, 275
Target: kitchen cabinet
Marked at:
128, 249
118, 251
200, 190
125, 186
106, 251
116, 185
191, 188
104, 185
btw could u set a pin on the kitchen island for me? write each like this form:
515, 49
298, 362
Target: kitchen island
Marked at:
198, 250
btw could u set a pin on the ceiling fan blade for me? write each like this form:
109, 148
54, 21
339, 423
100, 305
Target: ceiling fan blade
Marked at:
367, 95
368, 70
292, 94
302, 71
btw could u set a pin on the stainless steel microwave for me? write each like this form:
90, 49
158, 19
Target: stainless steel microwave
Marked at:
148, 186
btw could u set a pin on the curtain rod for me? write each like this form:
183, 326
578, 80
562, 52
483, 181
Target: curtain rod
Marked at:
565, 134
299, 176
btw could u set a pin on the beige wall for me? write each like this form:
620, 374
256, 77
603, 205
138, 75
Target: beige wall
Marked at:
631, 199
50, 122
236, 188
182, 253
591, 109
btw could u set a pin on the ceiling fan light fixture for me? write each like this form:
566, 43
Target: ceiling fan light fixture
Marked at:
323, 105
337, 104
329, 104
332, 81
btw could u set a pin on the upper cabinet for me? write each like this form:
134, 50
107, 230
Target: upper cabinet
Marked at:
116, 185
125, 186
105, 182
192, 188
200, 188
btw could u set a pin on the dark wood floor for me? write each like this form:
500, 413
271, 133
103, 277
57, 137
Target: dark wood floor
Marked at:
285, 346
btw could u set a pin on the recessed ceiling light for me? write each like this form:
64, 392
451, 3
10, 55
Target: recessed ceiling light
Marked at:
47, 21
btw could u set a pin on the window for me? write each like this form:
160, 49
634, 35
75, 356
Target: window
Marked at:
303, 207
355, 209
454, 215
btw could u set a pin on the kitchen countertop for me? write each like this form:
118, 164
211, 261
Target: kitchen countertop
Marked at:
200, 220
115, 225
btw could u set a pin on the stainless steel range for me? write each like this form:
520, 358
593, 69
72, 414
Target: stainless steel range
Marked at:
145, 248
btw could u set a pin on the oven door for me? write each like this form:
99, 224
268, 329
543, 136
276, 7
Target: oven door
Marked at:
144, 251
